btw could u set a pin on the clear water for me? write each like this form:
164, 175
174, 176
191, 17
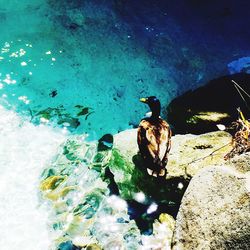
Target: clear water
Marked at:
88, 67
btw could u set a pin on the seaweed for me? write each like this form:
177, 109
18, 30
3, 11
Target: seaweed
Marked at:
241, 138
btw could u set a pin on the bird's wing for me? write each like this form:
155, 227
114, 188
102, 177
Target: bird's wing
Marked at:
146, 140
154, 141
142, 138
165, 141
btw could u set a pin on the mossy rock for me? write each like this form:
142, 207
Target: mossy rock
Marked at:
52, 182
93, 247
131, 179
57, 194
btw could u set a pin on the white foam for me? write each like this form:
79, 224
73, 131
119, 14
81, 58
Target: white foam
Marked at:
24, 151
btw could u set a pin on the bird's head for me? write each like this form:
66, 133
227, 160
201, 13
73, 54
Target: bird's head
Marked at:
154, 105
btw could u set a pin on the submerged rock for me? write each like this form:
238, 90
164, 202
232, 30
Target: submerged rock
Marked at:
84, 213
214, 212
161, 238
57, 115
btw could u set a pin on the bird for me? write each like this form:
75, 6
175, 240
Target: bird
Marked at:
154, 139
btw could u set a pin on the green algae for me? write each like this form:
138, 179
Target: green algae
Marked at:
59, 115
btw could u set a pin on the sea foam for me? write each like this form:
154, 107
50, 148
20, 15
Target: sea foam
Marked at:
24, 151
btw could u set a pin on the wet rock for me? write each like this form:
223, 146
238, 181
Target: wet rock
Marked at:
163, 229
51, 182
68, 246
84, 212
93, 247
199, 111
141, 190
189, 153
214, 212
105, 143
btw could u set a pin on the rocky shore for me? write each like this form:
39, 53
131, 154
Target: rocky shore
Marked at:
95, 192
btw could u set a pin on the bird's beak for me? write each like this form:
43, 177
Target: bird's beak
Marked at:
144, 100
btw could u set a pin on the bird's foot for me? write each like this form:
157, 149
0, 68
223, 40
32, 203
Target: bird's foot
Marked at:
156, 174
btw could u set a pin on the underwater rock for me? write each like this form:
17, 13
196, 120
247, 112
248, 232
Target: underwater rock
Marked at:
57, 115
161, 238
84, 213
105, 143
214, 212
68, 246
200, 110
51, 182
93, 247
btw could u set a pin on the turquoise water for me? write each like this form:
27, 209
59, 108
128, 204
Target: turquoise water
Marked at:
88, 67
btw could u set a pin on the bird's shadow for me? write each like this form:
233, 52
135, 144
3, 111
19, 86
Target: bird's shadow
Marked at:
166, 193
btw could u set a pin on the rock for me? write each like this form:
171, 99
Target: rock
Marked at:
67, 246
188, 154
214, 212
51, 182
191, 153
240, 65
199, 111
93, 247
105, 143
57, 115
162, 233
83, 211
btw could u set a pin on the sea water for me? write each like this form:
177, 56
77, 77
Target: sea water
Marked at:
59, 47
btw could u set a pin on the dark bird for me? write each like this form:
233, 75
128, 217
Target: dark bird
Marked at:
154, 139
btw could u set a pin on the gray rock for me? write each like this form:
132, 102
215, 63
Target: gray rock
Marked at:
189, 153
215, 211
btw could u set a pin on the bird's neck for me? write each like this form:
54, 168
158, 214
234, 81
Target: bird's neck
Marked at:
155, 114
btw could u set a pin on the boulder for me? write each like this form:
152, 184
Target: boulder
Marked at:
199, 111
214, 213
